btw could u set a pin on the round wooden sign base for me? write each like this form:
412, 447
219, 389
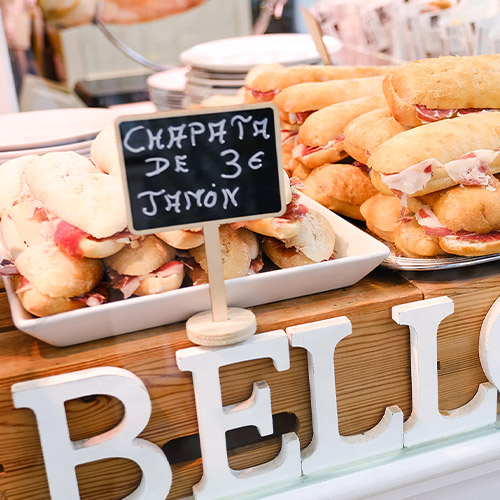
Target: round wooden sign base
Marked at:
240, 325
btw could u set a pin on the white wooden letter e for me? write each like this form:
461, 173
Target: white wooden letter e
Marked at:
214, 419
46, 397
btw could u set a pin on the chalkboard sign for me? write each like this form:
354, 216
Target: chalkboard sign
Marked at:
182, 169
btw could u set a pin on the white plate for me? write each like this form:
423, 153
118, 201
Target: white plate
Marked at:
243, 53
37, 129
82, 148
357, 254
213, 82
170, 79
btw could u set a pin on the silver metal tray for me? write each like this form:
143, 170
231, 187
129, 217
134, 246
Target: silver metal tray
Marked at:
395, 261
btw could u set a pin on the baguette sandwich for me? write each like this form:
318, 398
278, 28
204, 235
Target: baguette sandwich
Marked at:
286, 225
340, 187
314, 242
145, 266
366, 132
240, 252
265, 86
85, 206
383, 214
321, 137
411, 240
49, 281
465, 220
433, 89
459, 151
297, 102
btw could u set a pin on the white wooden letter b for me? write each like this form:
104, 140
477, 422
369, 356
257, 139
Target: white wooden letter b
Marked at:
46, 397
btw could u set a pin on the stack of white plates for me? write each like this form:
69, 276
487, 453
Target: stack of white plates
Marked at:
166, 88
220, 67
40, 132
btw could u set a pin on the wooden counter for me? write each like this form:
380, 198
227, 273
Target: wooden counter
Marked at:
372, 372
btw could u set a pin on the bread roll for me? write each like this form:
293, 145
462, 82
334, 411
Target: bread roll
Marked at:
104, 151
411, 240
238, 248
439, 155
284, 257
442, 86
295, 103
366, 132
141, 257
182, 239
24, 225
321, 136
383, 214
269, 83
72, 189
13, 188
315, 239
57, 274
340, 187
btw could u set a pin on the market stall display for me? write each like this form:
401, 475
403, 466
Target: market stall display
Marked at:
334, 376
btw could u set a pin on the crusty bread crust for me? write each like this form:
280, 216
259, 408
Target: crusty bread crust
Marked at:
444, 140
71, 188
339, 187
332, 154
11, 173
328, 123
283, 78
142, 256
298, 170
366, 132
346, 209
20, 229
273, 226
100, 249
382, 214
157, 284
57, 274
447, 82
469, 248
41, 305
473, 208
402, 111
282, 256
181, 238
104, 151
236, 248
313, 96
411, 240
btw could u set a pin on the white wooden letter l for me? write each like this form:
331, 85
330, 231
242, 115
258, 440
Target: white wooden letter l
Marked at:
426, 422
328, 448
46, 397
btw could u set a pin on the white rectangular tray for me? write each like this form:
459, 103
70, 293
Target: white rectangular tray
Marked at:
357, 254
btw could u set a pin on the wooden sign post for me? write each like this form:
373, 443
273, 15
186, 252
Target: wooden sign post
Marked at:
203, 168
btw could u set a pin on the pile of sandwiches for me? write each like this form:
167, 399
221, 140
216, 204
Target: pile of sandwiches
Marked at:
66, 245
411, 150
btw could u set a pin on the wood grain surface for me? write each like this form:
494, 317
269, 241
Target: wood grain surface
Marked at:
372, 369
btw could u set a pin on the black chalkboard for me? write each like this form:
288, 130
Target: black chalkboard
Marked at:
181, 169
